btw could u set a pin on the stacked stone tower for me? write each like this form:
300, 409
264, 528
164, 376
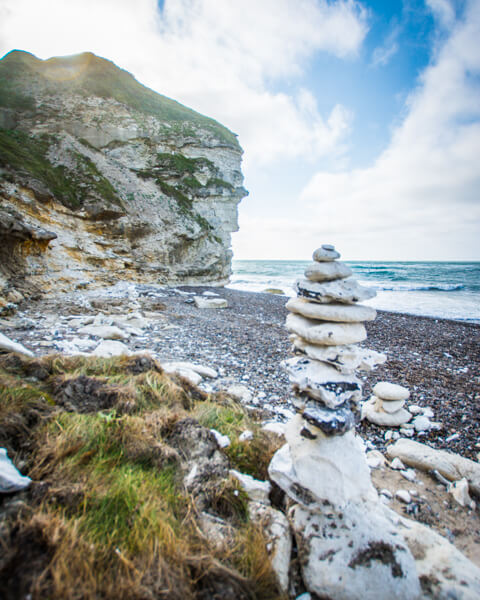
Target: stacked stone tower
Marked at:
351, 548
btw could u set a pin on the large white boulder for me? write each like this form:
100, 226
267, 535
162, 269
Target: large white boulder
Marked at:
324, 333
327, 271
7, 345
444, 572
346, 291
354, 553
322, 382
342, 313
346, 358
327, 469
452, 466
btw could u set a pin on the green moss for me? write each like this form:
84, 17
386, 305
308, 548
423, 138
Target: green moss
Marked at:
28, 155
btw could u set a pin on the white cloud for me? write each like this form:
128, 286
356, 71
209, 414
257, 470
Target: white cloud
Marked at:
420, 198
222, 58
382, 54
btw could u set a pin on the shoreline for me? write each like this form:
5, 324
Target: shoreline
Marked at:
437, 359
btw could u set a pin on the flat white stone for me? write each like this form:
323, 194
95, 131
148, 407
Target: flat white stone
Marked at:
322, 382
326, 253
202, 302
375, 459
346, 291
409, 474
392, 406
381, 418
452, 466
11, 480
342, 313
109, 348
354, 554
327, 271
107, 332
191, 376
446, 572
245, 436
200, 369
390, 391
346, 359
397, 464
256, 490
7, 345
276, 529
325, 334
275, 427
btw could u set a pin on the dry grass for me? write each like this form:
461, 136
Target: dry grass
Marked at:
108, 516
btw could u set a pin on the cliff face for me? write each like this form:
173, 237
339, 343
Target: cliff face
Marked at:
102, 179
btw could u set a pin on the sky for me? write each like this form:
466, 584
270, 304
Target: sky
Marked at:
359, 119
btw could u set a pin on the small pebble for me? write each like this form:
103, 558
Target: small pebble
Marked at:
403, 496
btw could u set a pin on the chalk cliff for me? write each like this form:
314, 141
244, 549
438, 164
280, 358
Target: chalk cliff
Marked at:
103, 179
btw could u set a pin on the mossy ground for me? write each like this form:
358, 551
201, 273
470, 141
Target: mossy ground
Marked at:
107, 515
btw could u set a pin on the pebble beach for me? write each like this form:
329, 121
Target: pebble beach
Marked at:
437, 359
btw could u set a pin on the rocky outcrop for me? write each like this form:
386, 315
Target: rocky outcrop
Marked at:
102, 178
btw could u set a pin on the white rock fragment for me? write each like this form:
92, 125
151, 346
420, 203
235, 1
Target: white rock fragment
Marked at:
403, 496
202, 302
171, 366
391, 407
7, 345
325, 333
459, 491
375, 459
222, 440
397, 465
192, 376
409, 474
390, 391
11, 480
109, 348
107, 332
421, 423
452, 466
240, 392
382, 418
276, 529
327, 271
275, 427
343, 313
245, 436
256, 490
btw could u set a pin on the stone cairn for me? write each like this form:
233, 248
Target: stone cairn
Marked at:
348, 544
386, 406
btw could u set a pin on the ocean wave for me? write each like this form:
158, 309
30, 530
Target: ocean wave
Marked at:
427, 287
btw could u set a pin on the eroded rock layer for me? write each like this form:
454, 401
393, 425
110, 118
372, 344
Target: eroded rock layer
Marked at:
102, 178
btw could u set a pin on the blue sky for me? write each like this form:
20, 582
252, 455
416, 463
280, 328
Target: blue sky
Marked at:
360, 119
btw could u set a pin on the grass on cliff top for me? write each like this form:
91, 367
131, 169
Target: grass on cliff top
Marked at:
28, 155
107, 515
92, 75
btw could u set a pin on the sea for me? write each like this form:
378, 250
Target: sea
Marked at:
449, 290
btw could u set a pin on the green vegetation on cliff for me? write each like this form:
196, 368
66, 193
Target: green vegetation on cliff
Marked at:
28, 155
23, 77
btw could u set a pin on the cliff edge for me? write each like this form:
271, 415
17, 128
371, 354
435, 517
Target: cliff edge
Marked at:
103, 179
